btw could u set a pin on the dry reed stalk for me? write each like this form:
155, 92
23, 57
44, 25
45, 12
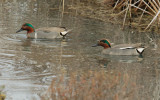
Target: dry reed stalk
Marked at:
125, 16
158, 2
63, 6
142, 10
154, 7
92, 85
139, 5
154, 18
116, 4
120, 4
151, 7
155, 3
142, 15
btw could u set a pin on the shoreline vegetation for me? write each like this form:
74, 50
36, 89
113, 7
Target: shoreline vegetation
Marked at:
93, 85
143, 15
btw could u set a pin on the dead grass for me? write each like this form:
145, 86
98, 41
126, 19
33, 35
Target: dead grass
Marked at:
131, 7
144, 14
93, 85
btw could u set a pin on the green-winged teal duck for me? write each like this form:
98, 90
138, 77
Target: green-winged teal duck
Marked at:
122, 49
45, 32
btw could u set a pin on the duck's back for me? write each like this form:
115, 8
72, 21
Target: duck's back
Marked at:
48, 32
122, 49
128, 45
52, 29
117, 51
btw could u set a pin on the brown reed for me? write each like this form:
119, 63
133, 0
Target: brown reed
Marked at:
93, 85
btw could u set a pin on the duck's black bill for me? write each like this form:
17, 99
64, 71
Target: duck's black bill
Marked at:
95, 45
19, 30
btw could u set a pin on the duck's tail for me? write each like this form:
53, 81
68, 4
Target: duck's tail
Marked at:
140, 50
64, 33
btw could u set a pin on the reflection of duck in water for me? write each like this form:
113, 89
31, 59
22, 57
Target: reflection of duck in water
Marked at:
104, 62
45, 32
27, 42
122, 49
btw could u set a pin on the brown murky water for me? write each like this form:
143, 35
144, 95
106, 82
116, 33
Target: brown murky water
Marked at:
27, 66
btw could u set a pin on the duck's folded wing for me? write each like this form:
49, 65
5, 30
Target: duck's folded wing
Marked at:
127, 46
42, 34
52, 29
